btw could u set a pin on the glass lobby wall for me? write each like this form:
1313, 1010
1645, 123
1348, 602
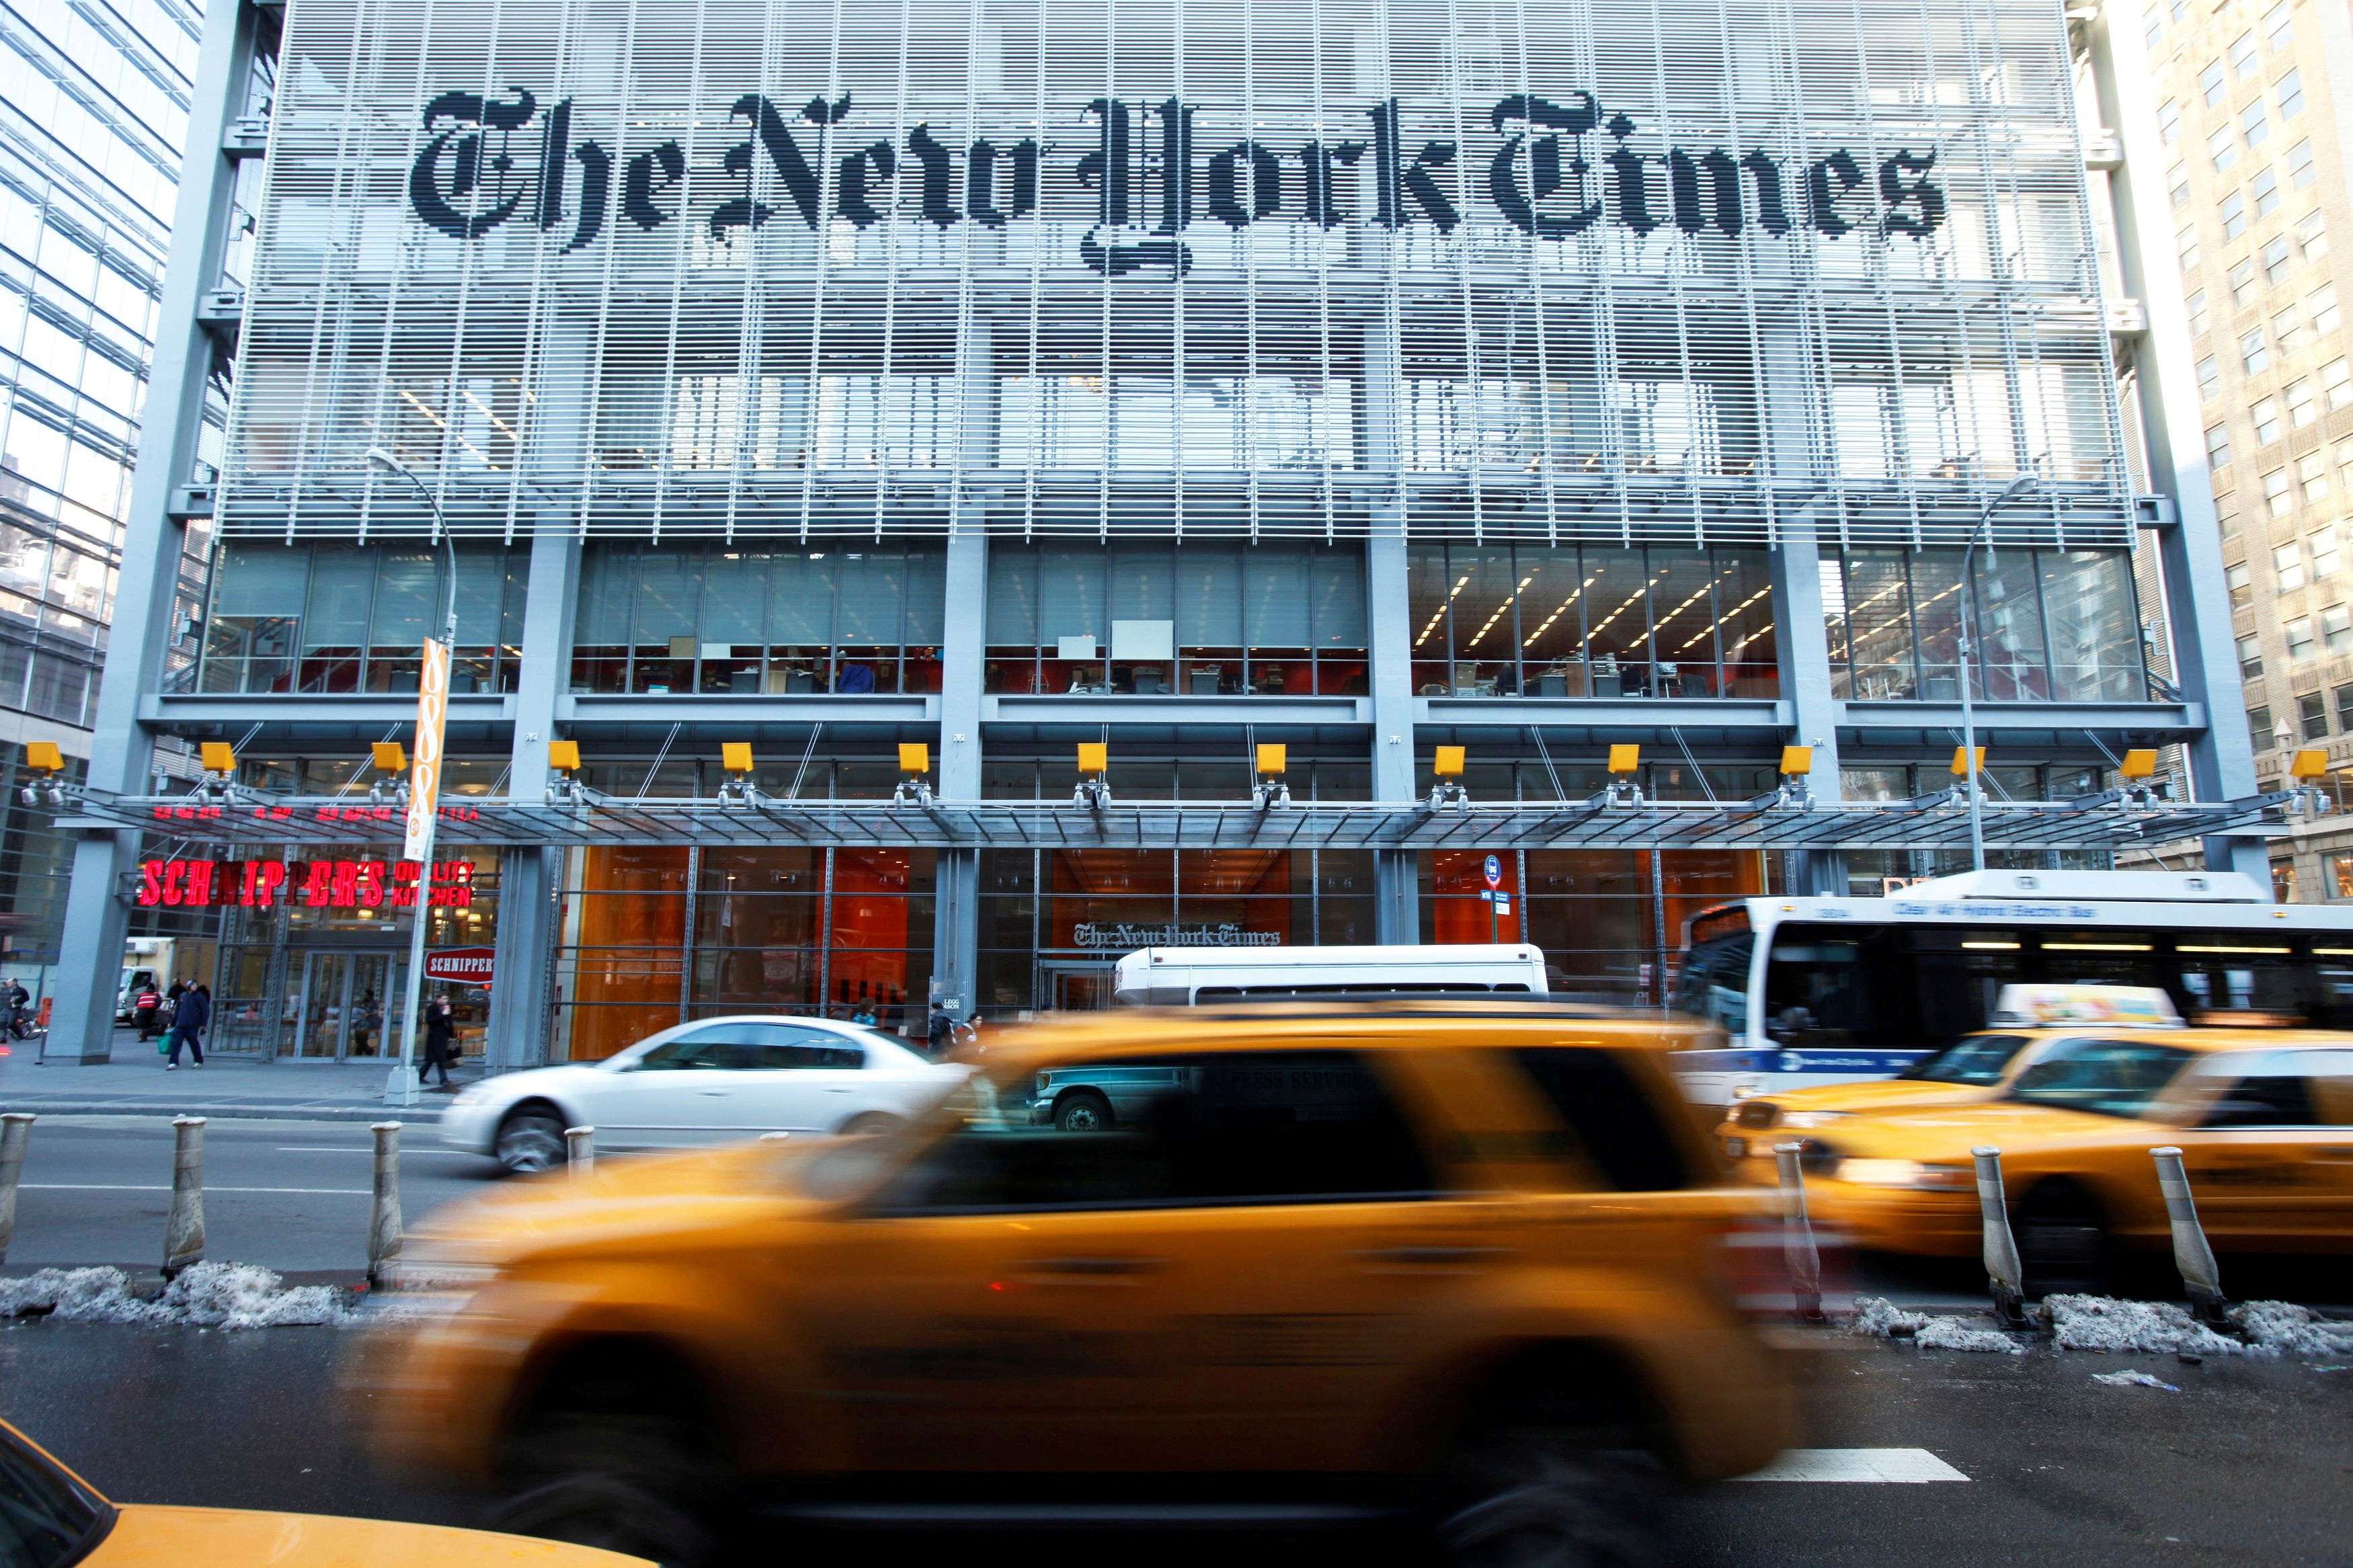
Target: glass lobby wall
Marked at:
722, 620
1050, 917
2055, 625
836, 933
1153, 617
1579, 621
353, 617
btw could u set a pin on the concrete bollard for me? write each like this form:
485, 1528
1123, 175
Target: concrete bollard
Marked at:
384, 1218
16, 1132
184, 1232
1805, 1259
580, 1151
2005, 1276
2199, 1276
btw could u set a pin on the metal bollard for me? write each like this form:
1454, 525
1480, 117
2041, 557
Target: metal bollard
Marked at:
580, 1150
1798, 1247
384, 1218
2191, 1253
184, 1232
2005, 1276
16, 1132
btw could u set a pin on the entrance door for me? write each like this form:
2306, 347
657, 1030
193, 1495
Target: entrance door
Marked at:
1076, 987
350, 1007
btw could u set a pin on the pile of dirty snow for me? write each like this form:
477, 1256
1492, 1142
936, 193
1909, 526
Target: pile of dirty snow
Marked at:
1877, 1316
207, 1294
2283, 1329
2105, 1323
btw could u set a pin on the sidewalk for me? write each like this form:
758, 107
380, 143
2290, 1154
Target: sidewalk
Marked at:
134, 1083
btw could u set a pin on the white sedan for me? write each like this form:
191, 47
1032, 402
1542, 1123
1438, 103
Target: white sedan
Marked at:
711, 1081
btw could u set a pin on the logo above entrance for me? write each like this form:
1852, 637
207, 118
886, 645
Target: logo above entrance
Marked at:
464, 965
1122, 935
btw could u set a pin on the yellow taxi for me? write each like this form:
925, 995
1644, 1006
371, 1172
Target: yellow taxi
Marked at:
2025, 1021
1342, 1261
2263, 1118
56, 1517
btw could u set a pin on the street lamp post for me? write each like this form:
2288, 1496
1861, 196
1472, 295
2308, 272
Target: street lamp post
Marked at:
1969, 651
400, 1087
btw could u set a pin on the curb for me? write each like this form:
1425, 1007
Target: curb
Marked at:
412, 1115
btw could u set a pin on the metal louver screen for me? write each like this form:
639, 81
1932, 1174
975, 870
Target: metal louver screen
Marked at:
1682, 269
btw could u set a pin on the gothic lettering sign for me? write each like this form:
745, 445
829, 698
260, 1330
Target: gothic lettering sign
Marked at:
1149, 172
1121, 934
302, 884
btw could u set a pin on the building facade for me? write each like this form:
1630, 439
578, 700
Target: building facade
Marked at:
1365, 379
93, 111
2254, 135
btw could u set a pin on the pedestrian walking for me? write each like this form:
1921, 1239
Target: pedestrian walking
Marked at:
940, 1035
440, 1041
17, 1005
188, 1021
143, 1008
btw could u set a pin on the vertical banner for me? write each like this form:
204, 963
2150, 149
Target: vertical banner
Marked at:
425, 775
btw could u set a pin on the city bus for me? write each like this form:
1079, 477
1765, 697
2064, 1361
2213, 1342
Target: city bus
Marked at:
1831, 990
1183, 976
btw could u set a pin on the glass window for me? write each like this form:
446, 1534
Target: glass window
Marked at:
2094, 626
2287, 328
2322, 303
1977, 1059
2152, 25
2301, 170
2168, 120
2278, 256
2312, 236
2291, 95
2251, 656
2265, 418
2344, 696
46, 1519
2256, 121
2312, 716
338, 618
2282, 881
2335, 636
2287, 563
2210, 82
2279, 25
2259, 728
2312, 476
2108, 1078
2264, 189
2222, 148
2241, 590
2243, 281
2210, 379
1243, 1127
2233, 214
2336, 383
2242, 52
2325, 556
2255, 352
2302, 410
1613, 1119
2177, 180
2198, 322
2302, 647
2218, 445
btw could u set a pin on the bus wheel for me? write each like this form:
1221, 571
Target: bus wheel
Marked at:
2062, 1242
1082, 1111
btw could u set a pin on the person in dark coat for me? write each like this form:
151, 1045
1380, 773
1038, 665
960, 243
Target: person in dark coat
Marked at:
440, 1041
188, 1021
940, 1035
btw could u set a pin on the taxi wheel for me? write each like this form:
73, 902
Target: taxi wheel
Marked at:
2062, 1242
530, 1139
1082, 1111
869, 1124
1548, 1500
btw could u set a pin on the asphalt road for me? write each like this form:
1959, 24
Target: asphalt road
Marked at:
290, 1195
2252, 1463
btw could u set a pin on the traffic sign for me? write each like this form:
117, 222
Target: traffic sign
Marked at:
1494, 869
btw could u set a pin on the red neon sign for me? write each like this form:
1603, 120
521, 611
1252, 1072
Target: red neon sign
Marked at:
310, 884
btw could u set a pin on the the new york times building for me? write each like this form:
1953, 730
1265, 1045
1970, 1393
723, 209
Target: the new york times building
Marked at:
1361, 378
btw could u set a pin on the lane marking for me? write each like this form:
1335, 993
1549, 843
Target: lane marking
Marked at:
128, 1188
1867, 1465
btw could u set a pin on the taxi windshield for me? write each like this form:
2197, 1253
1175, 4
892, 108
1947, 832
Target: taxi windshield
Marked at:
1978, 1060
2110, 1078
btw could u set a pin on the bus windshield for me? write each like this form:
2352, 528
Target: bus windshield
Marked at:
2111, 1078
1978, 1060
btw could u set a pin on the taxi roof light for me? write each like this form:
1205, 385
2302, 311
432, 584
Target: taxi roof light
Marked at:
2144, 1006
